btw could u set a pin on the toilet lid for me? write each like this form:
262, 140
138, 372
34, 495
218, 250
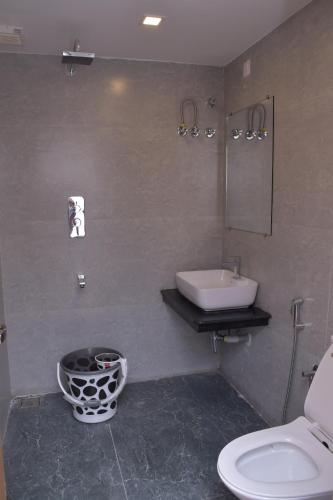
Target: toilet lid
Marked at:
318, 405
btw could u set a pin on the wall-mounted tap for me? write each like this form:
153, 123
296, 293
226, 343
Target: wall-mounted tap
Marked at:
81, 279
310, 374
233, 263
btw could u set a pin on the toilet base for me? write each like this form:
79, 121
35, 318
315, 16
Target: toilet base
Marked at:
244, 496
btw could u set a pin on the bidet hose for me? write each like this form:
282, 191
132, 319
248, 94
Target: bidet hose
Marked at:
290, 377
295, 310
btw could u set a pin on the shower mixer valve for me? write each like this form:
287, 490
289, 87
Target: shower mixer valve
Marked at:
76, 217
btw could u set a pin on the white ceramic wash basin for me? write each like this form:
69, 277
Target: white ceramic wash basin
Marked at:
216, 289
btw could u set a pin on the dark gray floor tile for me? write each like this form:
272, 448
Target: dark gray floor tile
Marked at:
168, 435
168, 490
50, 456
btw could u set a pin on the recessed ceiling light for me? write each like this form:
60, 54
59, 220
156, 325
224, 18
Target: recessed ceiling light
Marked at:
152, 20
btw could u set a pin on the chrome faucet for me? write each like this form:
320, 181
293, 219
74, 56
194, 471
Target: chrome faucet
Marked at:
81, 279
233, 263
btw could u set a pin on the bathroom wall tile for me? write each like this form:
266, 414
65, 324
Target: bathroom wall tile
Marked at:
292, 63
106, 94
154, 340
303, 184
153, 207
121, 181
240, 364
283, 266
118, 257
269, 353
115, 162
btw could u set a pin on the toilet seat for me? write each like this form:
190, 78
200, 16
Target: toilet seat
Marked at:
282, 462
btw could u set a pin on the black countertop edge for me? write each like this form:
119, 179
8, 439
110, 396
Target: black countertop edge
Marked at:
210, 321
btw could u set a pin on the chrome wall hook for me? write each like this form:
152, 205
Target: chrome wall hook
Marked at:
250, 135
236, 133
194, 131
182, 130
262, 134
209, 132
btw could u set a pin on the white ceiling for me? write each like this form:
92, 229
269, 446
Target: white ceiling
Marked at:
211, 32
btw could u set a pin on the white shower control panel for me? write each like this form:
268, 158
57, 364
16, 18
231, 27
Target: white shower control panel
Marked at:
76, 217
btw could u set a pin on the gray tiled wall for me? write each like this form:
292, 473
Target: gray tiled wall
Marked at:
153, 207
294, 64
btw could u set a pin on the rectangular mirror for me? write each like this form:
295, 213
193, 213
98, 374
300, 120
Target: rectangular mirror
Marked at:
249, 168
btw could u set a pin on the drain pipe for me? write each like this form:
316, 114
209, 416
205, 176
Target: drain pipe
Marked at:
228, 338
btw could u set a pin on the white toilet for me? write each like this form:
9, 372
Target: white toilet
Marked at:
290, 462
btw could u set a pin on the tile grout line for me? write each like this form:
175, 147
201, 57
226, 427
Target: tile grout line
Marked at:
115, 450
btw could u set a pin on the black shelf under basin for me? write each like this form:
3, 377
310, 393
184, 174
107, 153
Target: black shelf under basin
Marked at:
210, 321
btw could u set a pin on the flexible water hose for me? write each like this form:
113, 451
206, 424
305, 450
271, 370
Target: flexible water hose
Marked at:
295, 310
291, 375
195, 111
